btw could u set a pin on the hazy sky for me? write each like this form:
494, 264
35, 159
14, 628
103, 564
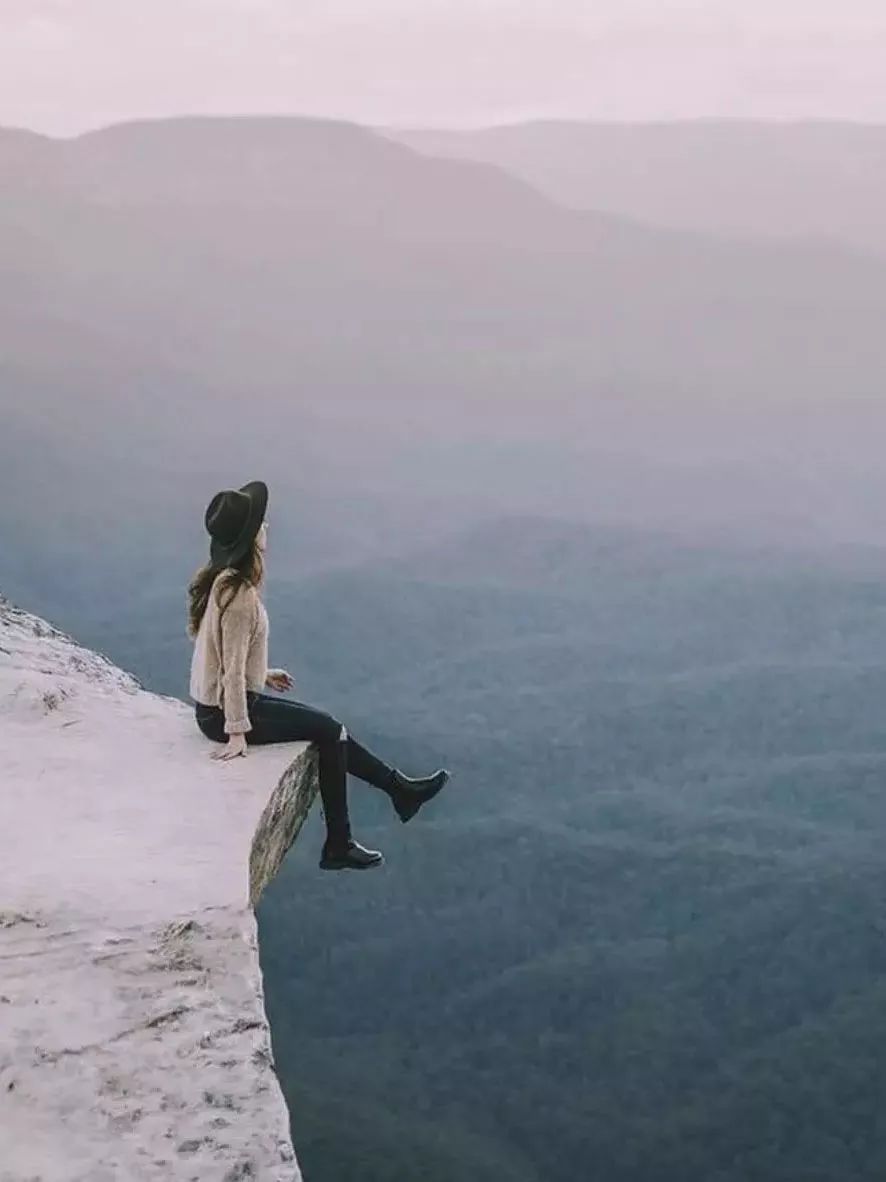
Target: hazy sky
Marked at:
70, 64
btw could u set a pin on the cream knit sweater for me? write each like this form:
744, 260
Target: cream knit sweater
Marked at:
230, 653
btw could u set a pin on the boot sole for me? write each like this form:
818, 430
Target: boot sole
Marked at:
351, 865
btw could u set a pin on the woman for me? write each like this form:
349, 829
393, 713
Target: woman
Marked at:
229, 625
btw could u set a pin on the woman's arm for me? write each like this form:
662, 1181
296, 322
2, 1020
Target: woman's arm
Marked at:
236, 630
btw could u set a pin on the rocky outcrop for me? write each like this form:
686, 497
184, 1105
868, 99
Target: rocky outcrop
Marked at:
133, 1039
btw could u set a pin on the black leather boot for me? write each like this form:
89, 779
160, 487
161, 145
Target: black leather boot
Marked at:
409, 794
340, 851
353, 857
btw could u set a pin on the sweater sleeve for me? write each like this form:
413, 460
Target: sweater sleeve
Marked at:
236, 631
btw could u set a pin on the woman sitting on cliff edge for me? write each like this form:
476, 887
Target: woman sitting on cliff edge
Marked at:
229, 625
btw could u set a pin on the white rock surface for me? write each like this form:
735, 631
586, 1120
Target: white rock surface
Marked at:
133, 1038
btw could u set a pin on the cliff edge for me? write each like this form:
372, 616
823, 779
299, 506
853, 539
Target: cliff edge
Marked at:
133, 1039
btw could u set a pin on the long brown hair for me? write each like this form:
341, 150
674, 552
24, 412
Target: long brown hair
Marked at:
247, 571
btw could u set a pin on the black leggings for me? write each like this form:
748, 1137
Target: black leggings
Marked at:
283, 720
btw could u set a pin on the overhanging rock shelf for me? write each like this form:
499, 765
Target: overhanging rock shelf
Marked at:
133, 1037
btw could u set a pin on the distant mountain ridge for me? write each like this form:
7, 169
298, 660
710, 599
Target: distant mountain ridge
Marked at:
308, 167
791, 179
363, 323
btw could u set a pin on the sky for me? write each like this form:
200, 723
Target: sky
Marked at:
68, 65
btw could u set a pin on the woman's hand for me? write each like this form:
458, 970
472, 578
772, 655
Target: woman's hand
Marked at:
278, 679
236, 745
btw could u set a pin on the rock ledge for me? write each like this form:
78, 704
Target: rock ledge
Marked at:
133, 1039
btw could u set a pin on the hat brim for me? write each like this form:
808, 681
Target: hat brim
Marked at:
220, 555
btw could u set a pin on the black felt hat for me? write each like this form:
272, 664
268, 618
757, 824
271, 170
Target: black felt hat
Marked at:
233, 518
